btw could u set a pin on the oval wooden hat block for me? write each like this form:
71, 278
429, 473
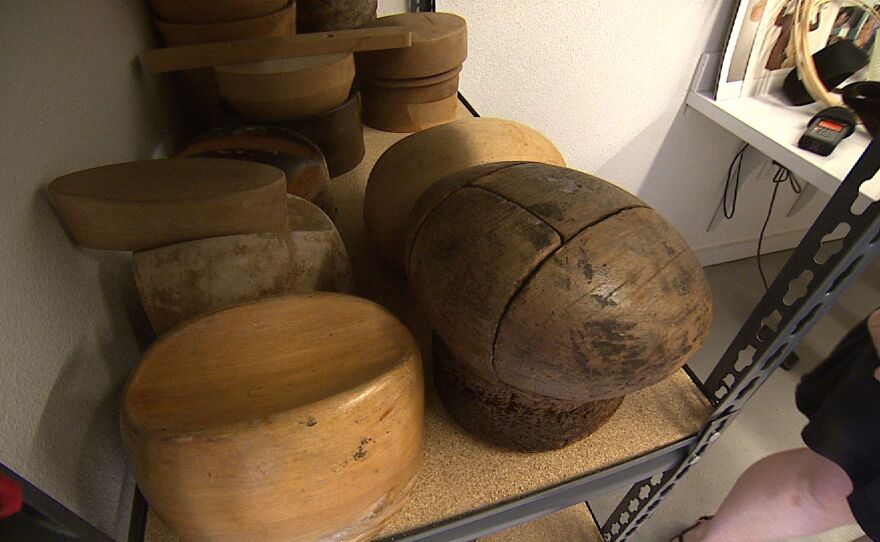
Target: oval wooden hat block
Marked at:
323, 16
409, 117
181, 281
554, 284
287, 88
439, 44
151, 203
290, 419
416, 162
277, 23
300, 159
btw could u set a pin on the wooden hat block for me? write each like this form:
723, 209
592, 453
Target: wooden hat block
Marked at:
287, 88
152, 203
416, 162
213, 11
290, 419
181, 281
273, 24
554, 284
323, 16
409, 117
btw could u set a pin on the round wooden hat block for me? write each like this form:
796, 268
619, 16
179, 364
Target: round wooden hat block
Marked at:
287, 88
416, 162
556, 283
409, 117
214, 11
511, 418
385, 82
439, 44
300, 159
290, 419
151, 203
275, 24
323, 16
181, 281
411, 95
339, 133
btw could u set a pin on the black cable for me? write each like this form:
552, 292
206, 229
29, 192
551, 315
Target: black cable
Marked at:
735, 164
782, 175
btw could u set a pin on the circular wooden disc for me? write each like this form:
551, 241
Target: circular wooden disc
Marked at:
501, 414
384, 82
287, 88
439, 44
183, 280
213, 11
310, 405
414, 95
409, 117
416, 162
151, 203
323, 16
276, 24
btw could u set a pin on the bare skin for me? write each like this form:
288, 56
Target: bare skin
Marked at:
786, 495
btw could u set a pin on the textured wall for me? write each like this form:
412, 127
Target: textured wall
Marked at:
71, 97
607, 80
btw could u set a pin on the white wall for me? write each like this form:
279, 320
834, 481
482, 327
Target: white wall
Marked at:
71, 97
606, 80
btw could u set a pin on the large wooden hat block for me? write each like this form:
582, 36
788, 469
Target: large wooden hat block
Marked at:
291, 419
459, 473
556, 294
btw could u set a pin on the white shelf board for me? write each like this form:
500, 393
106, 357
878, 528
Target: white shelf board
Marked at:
773, 127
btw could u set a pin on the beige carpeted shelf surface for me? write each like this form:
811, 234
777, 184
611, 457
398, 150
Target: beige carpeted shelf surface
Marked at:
459, 473
573, 524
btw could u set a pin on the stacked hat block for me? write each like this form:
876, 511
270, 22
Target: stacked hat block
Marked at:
407, 90
253, 372
552, 293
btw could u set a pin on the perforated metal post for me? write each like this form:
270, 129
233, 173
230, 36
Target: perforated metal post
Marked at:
779, 322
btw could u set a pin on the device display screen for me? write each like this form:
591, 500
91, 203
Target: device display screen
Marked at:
831, 125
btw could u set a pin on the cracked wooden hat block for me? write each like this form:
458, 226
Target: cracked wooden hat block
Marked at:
554, 294
290, 419
183, 280
416, 162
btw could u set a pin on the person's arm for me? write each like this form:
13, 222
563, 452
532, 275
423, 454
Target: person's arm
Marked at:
874, 328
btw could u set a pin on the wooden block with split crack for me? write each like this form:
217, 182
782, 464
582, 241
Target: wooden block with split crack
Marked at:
151, 203
290, 419
181, 281
416, 162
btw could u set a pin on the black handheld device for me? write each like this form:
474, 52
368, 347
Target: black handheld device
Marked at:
828, 128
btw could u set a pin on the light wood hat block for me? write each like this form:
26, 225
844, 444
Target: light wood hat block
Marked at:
439, 44
557, 283
151, 203
287, 88
416, 162
409, 117
323, 16
412, 95
275, 24
214, 11
385, 82
300, 159
289, 419
181, 281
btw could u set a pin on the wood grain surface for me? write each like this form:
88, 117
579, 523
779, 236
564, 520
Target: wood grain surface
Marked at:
296, 419
409, 117
439, 44
151, 203
207, 55
181, 281
213, 11
555, 282
323, 16
301, 160
385, 82
415, 95
287, 88
276, 24
416, 162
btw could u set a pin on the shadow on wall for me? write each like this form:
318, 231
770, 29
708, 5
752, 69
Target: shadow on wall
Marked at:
77, 442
